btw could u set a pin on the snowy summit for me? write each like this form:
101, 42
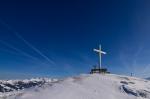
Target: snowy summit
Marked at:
95, 86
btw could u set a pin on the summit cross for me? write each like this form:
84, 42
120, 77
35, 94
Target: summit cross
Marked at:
100, 52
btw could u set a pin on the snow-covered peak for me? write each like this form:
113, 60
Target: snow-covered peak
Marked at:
148, 78
95, 86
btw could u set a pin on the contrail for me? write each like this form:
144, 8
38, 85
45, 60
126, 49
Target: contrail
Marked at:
16, 49
20, 51
27, 43
35, 49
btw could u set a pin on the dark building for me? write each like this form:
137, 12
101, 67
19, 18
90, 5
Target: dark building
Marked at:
99, 70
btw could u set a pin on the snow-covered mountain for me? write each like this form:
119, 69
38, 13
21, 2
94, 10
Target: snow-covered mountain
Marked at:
12, 87
96, 86
148, 78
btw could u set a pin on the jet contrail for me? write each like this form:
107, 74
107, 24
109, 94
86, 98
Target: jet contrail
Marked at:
32, 47
27, 43
20, 51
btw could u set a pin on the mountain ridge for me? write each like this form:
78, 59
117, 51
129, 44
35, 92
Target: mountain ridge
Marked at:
87, 86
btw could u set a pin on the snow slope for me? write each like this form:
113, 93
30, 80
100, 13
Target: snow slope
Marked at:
96, 86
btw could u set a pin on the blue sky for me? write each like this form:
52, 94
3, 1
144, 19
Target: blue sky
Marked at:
56, 38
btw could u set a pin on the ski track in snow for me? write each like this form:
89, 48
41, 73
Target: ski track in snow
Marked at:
86, 86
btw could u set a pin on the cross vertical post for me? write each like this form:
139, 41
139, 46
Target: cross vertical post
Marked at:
100, 61
100, 52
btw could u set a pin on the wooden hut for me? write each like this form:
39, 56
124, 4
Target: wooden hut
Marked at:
98, 70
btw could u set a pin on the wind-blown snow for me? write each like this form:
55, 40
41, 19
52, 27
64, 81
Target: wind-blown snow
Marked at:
96, 86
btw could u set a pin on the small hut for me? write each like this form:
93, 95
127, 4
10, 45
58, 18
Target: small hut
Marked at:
98, 70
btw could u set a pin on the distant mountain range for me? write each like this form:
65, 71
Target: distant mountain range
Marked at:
148, 78
16, 85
